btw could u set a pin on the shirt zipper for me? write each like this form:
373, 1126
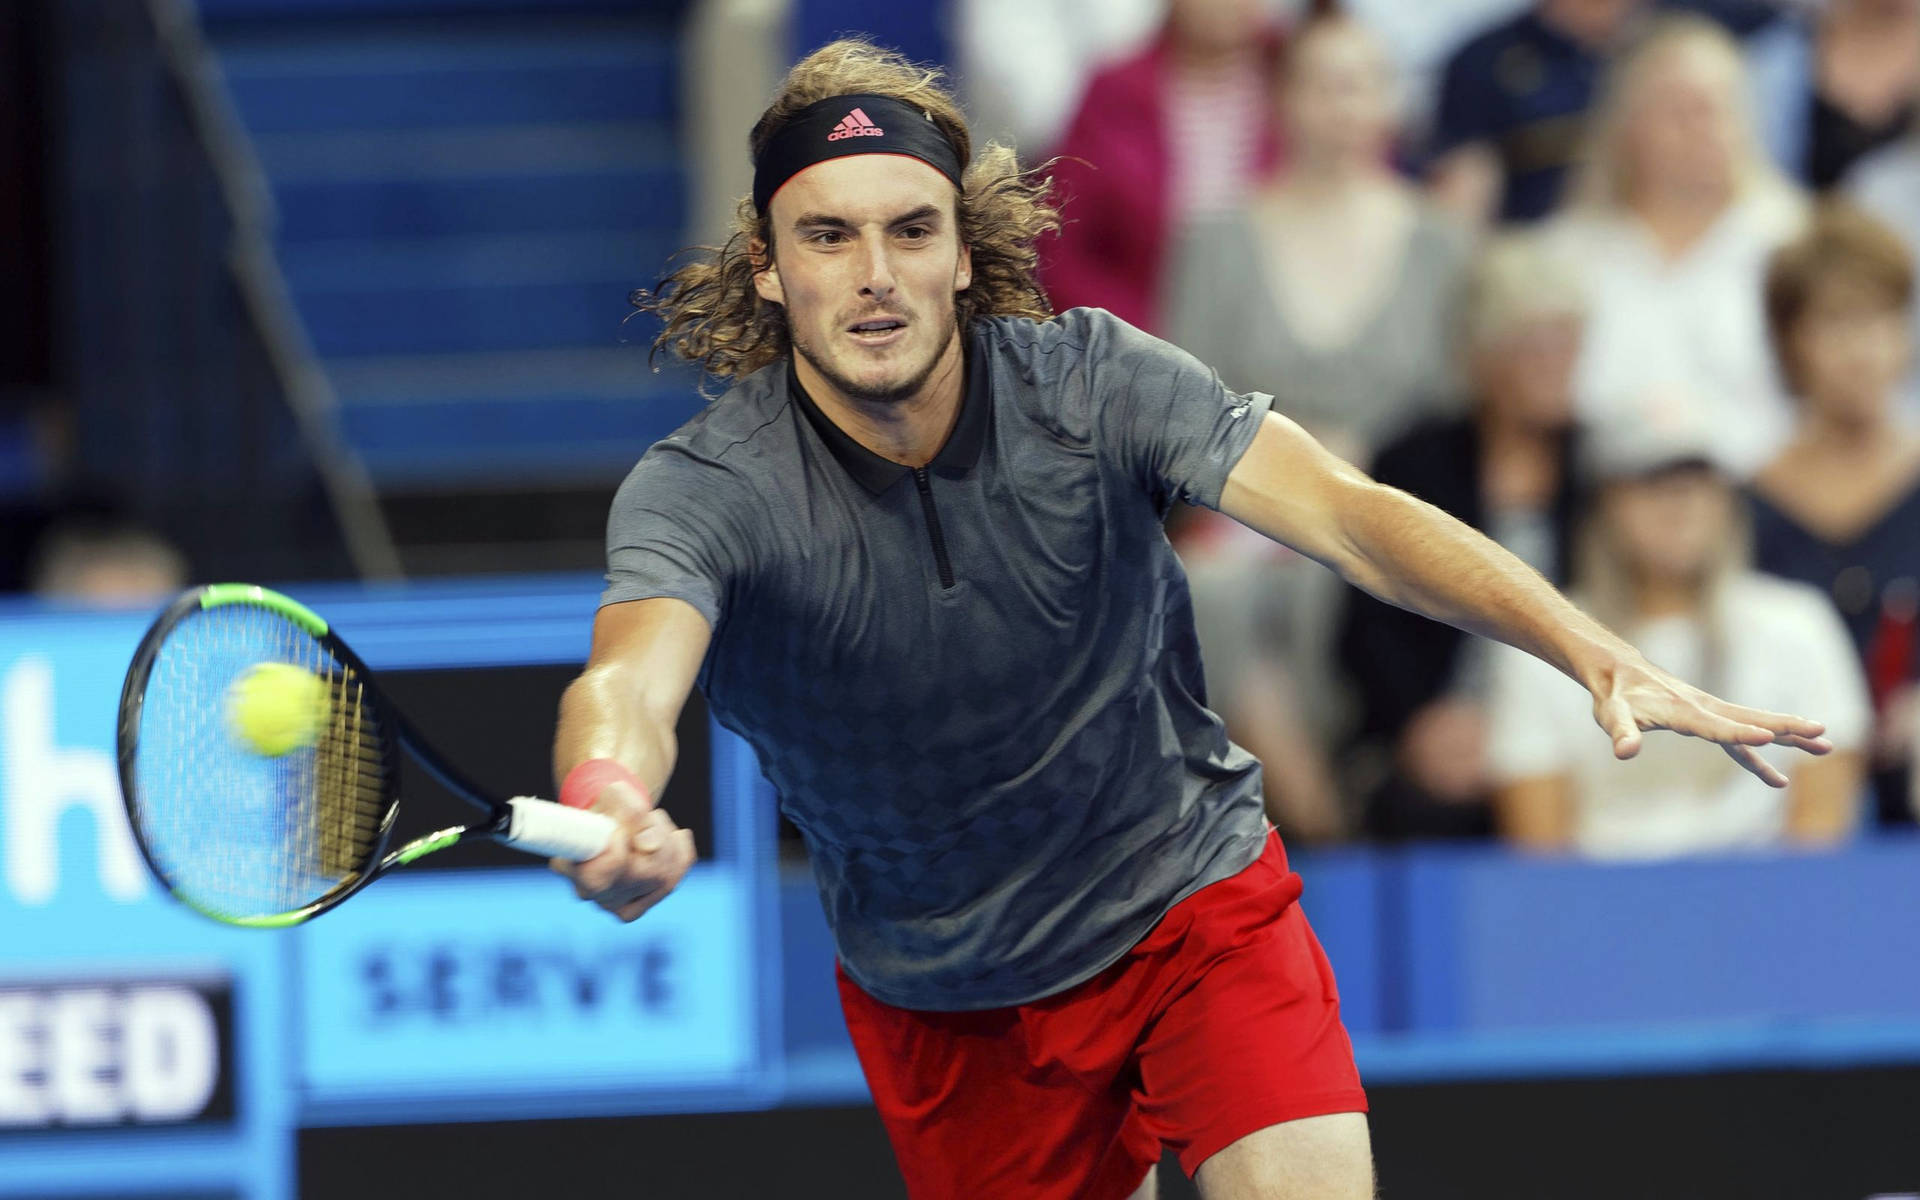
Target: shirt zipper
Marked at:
934, 535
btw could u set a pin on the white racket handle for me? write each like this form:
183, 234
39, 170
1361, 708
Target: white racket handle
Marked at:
556, 831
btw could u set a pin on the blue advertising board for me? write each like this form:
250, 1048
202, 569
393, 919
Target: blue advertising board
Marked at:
144, 1050
497, 991
141, 1047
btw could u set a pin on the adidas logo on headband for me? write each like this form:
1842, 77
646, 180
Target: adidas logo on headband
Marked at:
838, 126
855, 124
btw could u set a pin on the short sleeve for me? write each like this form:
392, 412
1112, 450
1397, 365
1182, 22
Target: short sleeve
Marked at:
662, 542
1532, 713
1161, 415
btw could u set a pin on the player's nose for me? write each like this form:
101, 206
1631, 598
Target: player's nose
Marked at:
876, 272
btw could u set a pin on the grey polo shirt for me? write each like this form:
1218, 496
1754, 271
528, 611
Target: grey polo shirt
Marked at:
974, 686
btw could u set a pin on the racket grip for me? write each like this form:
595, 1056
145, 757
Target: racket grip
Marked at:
556, 831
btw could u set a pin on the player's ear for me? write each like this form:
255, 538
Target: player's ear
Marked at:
963, 269
766, 272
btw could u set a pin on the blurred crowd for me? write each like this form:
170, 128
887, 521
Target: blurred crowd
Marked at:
1628, 285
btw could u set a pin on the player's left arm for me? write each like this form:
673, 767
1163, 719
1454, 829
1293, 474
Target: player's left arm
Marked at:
1409, 553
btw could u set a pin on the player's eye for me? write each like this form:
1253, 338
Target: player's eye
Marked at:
916, 233
828, 237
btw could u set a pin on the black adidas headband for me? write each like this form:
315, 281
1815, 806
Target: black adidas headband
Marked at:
855, 124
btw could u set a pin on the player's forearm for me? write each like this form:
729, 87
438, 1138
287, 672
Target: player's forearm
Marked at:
603, 714
1411, 554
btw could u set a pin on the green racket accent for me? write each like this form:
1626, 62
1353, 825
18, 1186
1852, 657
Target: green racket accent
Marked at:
246, 593
427, 845
275, 921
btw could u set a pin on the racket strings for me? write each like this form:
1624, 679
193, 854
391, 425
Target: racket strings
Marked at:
237, 832
349, 783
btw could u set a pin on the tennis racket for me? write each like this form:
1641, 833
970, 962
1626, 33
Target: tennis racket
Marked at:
268, 838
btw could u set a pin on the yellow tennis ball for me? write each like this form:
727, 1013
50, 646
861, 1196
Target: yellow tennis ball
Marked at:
276, 708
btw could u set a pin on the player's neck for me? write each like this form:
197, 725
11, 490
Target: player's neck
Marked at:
909, 431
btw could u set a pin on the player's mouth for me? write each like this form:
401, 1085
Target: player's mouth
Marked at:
878, 331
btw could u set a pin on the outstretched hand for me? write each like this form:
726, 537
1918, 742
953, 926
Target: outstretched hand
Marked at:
1640, 697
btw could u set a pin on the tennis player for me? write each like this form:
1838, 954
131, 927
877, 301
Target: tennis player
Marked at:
915, 557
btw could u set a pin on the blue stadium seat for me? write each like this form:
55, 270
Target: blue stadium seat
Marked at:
425, 77
465, 202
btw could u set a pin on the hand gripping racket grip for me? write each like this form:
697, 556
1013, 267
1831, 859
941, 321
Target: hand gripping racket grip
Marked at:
556, 831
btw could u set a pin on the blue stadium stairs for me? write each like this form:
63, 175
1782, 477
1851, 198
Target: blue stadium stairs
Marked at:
466, 198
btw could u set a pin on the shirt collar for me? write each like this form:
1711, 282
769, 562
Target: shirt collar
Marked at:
957, 456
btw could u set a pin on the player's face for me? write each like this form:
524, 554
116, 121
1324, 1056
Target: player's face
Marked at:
866, 260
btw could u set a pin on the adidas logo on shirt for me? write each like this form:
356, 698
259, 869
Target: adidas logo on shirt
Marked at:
855, 124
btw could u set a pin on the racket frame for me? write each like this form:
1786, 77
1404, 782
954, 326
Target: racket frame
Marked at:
499, 815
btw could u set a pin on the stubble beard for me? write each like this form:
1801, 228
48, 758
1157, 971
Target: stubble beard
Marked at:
893, 393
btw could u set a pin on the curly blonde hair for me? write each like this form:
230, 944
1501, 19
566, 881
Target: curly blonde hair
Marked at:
713, 316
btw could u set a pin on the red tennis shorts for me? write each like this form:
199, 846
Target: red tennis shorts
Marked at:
1221, 1021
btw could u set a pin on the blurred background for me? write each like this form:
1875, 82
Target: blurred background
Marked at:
333, 294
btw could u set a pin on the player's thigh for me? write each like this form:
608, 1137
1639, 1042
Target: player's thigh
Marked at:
1254, 1037
1314, 1158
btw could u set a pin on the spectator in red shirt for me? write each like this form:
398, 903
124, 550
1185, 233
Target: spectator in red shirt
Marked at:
1181, 130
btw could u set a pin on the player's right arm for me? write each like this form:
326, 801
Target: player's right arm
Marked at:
624, 706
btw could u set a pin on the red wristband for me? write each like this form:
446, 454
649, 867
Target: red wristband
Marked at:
584, 782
